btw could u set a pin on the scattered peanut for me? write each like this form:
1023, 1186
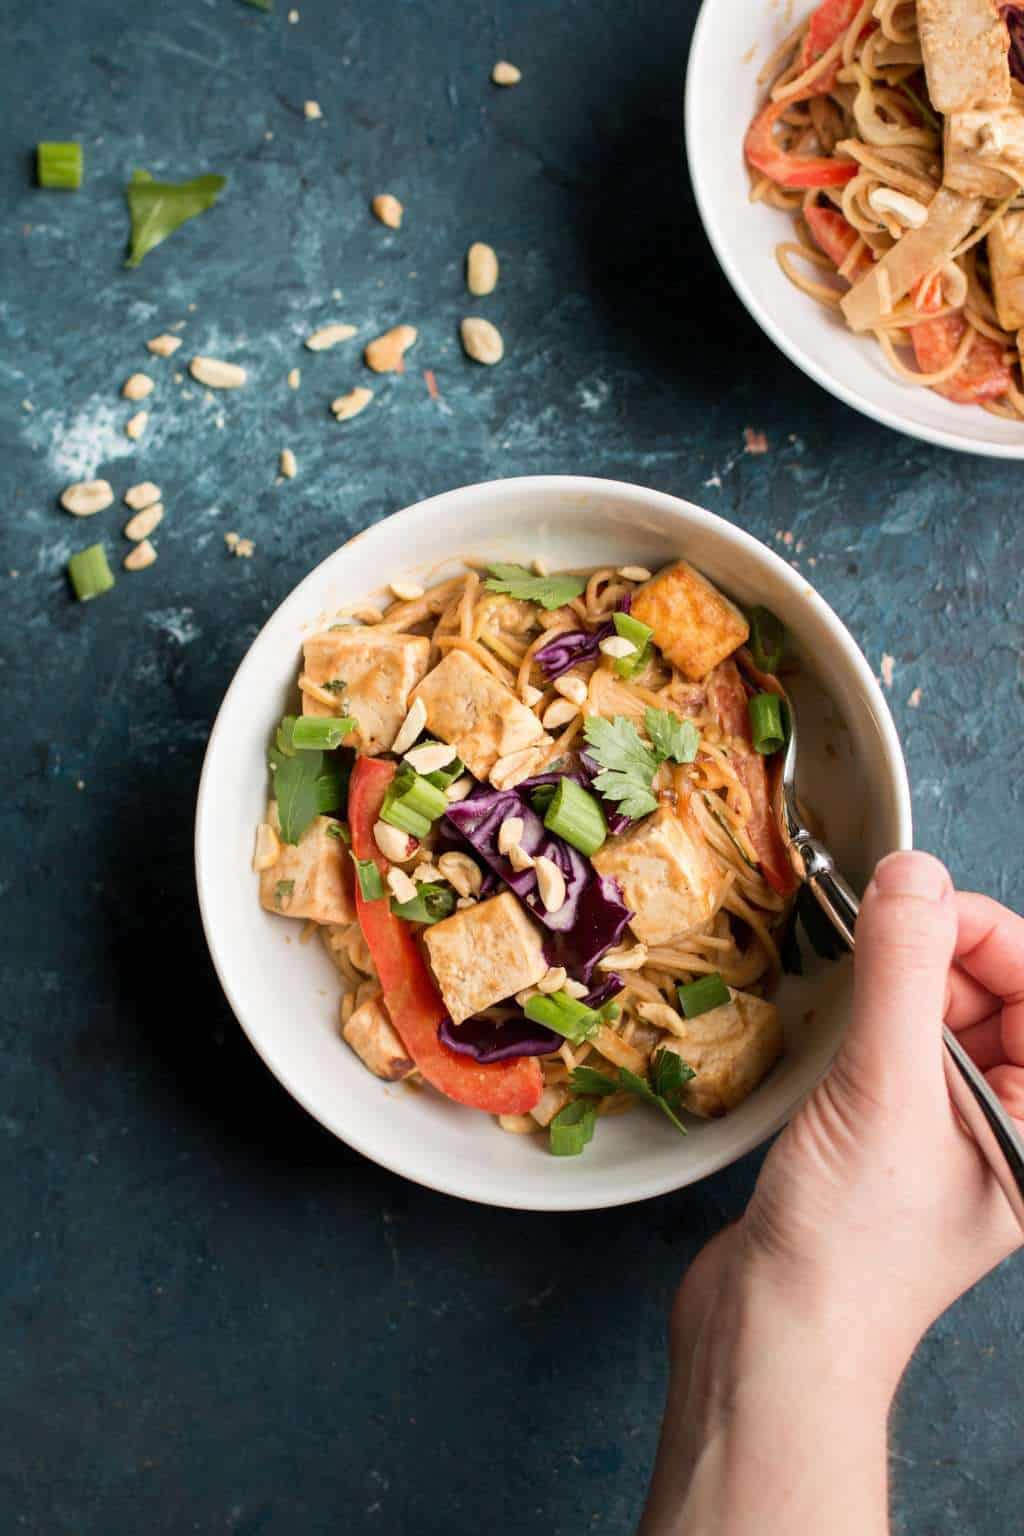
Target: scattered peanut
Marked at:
385, 354
165, 345
388, 209
268, 847
312, 110
294, 378
426, 872
532, 695
462, 872
400, 886
288, 464
137, 386
481, 341
510, 833
513, 768
86, 497
559, 713
907, 210
519, 858
138, 558
136, 425
553, 979
523, 997
465, 902
505, 73
142, 495
406, 591
662, 1017
624, 959
519, 1125
143, 523
410, 727
634, 573
617, 646
393, 843
572, 687
550, 883
430, 758
574, 988
459, 789
330, 335
347, 406
216, 374
481, 269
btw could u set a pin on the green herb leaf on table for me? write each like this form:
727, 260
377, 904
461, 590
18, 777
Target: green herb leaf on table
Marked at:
157, 208
549, 591
672, 737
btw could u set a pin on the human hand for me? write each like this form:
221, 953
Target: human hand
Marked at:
874, 1210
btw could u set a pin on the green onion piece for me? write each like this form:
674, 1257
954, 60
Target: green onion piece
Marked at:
412, 803
767, 639
766, 723
59, 165
371, 886
572, 1128
89, 573
575, 815
542, 797
700, 996
565, 1015
396, 814
610, 1012
320, 733
430, 904
639, 635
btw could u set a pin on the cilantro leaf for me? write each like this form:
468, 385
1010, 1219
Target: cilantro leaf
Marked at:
628, 765
297, 790
549, 591
643, 1090
587, 1080
670, 1074
157, 208
672, 737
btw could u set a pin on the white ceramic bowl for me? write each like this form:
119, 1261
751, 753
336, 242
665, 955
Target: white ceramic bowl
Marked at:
731, 42
285, 995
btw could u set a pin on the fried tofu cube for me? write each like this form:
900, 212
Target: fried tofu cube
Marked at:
965, 47
476, 714
980, 147
484, 954
373, 1037
311, 878
694, 625
730, 1048
379, 672
665, 872
1006, 265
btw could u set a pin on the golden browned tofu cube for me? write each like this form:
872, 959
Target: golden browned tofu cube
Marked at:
965, 47
980, 147
379, 671
730, 1048
311, 878
694, 625
1006, 265
484, 954
476, 714
373, 1037
665, 873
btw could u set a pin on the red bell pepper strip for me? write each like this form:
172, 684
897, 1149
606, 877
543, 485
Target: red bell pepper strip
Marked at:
984, 376
788, 170
827, 25
416, 1007
728, 699
836, 236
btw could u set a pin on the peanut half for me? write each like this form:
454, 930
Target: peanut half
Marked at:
329, 336
388, 209
481, 269
347, 406
386, 353
481, 341
216, 374
86, 497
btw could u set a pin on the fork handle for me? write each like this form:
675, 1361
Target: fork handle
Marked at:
995, 1134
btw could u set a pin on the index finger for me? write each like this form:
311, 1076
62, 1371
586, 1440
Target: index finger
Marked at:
990, 948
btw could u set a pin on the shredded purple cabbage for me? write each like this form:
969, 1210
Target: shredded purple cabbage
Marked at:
593, 916
565, 651
1013, 15
493, 1040
604, 991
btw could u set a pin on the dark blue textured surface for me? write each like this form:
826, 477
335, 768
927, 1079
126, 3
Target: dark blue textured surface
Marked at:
214, 1317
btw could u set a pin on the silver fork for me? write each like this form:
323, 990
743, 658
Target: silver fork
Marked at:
978, 1107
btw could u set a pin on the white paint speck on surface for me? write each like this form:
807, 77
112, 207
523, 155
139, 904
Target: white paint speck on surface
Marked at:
914, 702
78, 442
178, 623
594, 395
888, 666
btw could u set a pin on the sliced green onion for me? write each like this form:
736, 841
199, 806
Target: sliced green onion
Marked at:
564, 1014
320, 733
766, 723
542, 797
412, 803
406, 820
59, 165
340, 830
639, 635
371, 886
431, 903
89, 573
576, 815
767, 639
700, 996
572, 1128
611, 1011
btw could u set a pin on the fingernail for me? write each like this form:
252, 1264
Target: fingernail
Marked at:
912, 874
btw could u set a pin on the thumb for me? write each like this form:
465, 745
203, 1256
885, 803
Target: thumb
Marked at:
905, 937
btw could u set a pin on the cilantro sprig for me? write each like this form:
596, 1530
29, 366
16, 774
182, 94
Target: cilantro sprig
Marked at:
669, 1074
628, 764
548, 591
305, 784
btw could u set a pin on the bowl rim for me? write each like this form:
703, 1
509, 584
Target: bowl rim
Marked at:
391, 1158
940, 437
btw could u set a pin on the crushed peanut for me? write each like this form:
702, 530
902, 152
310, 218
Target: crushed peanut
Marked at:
294, 378
430, 759
550, 883
288, 464
138, 558
165, 345
481, 341
553, 980
617, 646
400, 886
519, 858
634, 573
406, 591
347, 406
459, 789
386, 353
513, 768
143, 523
571, 687
142, 495
86, 497
410, 728
136, 425
312, 110
663, 1017
330, 335
216, 374
461, 872
505, 73
559, 713
481, 269
510, 833
393, 843
388, 209
137, 386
